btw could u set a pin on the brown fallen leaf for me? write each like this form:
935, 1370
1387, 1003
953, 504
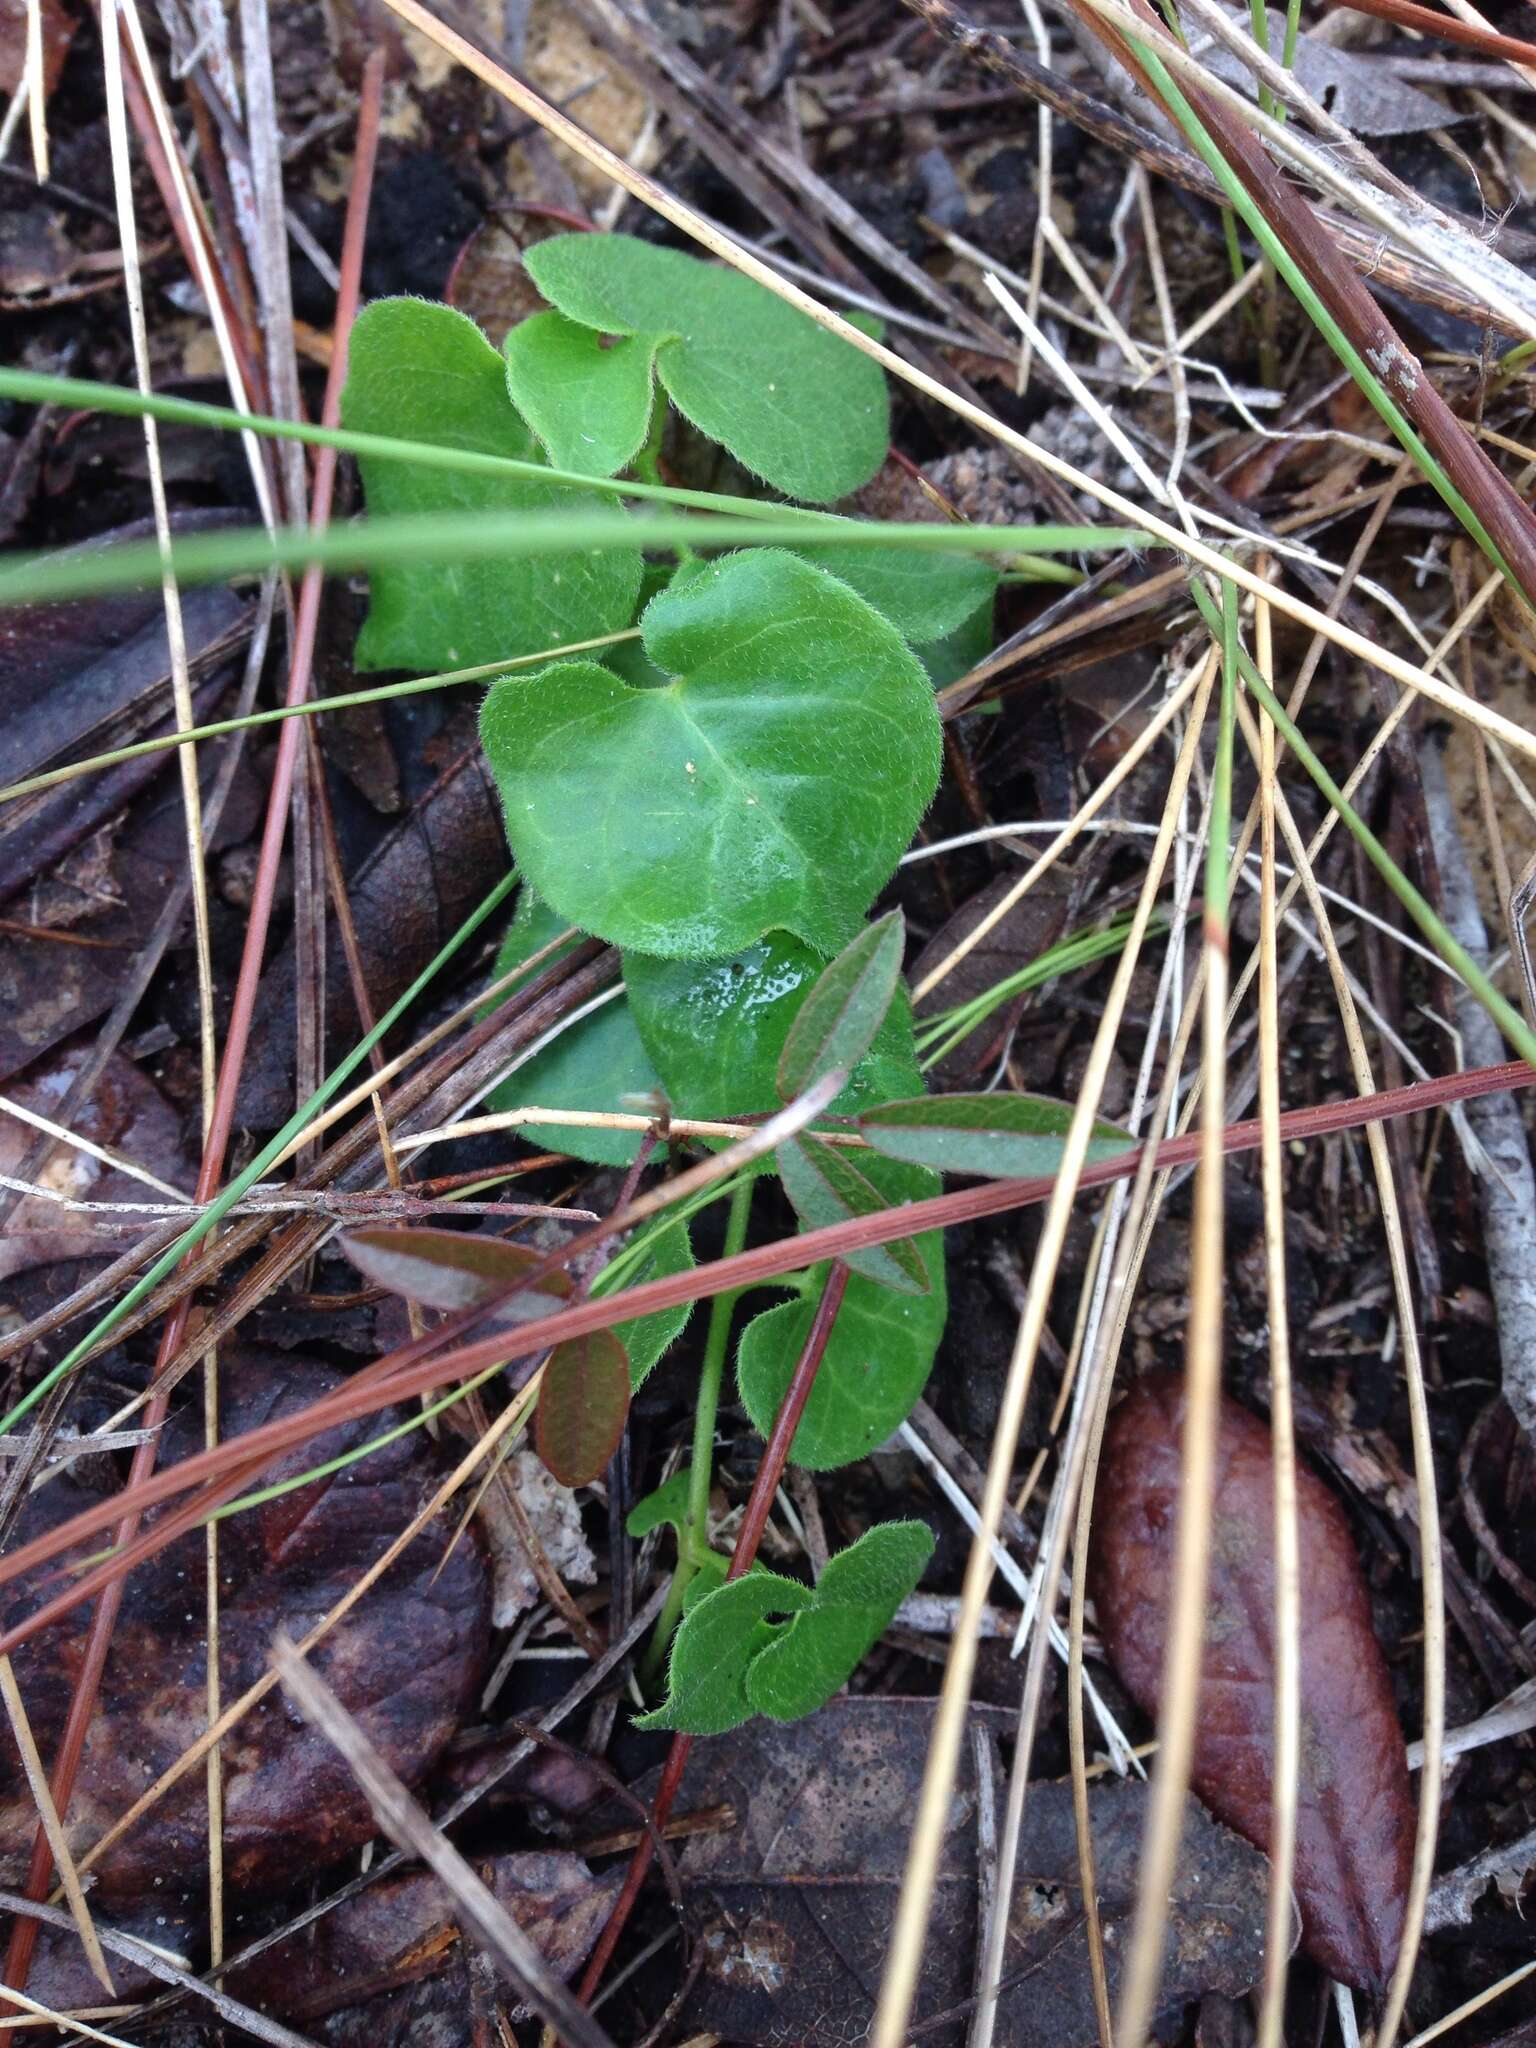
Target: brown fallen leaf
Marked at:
413, 891
1355, 1811
1022, 935
58, 32
127, 1115
407, 1660
403, 1929
795, 1905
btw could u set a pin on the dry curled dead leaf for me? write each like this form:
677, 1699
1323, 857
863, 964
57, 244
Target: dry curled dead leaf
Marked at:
407, 1660
1355, 1812
795, 1901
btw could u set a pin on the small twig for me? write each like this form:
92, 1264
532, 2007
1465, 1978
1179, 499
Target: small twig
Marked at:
480, 1912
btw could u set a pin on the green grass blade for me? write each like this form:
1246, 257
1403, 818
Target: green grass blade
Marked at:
47, 577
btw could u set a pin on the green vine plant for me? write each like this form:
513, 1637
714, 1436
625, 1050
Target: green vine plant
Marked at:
722, 798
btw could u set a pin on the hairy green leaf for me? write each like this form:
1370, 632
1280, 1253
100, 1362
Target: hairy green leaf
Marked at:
925, 597
715, 1029
957, 653
583, 1406
774, 781
713, 1649
836, 1024
730, 1659
666, 1251
593, 1065
664, 1507
856, 1600
878, 1356
588, 404
826, 1187
799, 407
1003, 1136
428, 373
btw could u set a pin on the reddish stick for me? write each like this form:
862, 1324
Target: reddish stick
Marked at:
381, 1386
1409, 14
82, 1707
753, 1522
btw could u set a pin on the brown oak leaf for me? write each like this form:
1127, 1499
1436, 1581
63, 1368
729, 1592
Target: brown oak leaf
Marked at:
1355, 1812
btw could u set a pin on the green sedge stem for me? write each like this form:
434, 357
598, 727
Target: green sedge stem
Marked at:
1313, 306
706, 1412
936, 1036
30, 387
46, 577
346, 700
1503, 1013
693, 1536
220, 1207
1218, 853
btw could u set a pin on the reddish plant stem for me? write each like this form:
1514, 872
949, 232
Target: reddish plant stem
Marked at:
82, 1706
1468, 467
753, 1522
383, 1384
1409, 14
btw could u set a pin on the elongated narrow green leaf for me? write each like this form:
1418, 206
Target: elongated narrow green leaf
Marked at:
1006, 1137
856, 1601
44, 576
775, 781
428, 372
453, 1270
826, 1187
836, 1024
583, 1406
799, 407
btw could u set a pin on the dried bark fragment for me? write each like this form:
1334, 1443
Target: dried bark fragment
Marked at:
1355, 1812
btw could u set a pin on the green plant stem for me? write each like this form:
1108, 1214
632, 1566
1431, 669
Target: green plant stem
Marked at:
1312, 303
693, 1537
754, 1520
1503, 1012
46, 576
311, 707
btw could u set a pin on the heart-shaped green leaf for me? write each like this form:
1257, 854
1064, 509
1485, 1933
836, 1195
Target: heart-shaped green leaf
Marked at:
597, 1063
729, 1660
836, 1024
878, 1356
588, 404
800, 407
826, 1187
857, 1596
715, 1029
713, 1649
925, 596
1007, 1137
583, 1406
775, 781
426, 373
